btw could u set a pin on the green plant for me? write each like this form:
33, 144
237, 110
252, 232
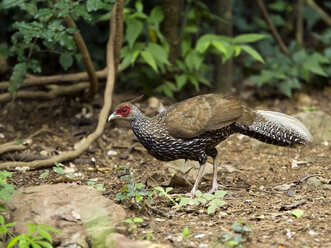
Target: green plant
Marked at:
147, 45
42, 239
133, 190
6, 190
186, 232
98, 186
149, 235
4, 226
59, 170
133, 223
304, 66
214, 201
235, 240
40, 28
165, 193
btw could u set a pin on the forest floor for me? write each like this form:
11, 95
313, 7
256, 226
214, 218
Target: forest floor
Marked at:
251, 194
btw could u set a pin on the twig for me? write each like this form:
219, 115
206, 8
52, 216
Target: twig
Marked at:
83, 144
46, 95
72, 77
272, 27
299, 21
325, 17
86, 58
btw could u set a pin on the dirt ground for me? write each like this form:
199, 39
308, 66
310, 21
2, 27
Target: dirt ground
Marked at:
251, 195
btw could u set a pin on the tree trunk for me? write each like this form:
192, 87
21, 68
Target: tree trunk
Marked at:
223, 72
170, 26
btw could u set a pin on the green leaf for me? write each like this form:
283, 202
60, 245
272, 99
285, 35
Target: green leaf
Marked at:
93, 5
45, 244
248, 38
208, 196
220, 193
138, 220
253, 53
17, 77
219, 46
297, 213
133, 30
156, 15
211, 209
58, 170
158, 52
139, 6
184, 201
44, 174
149, 59
13, 241
66, 60
185, 45
237, 227
6, 4
45, 234
180, 81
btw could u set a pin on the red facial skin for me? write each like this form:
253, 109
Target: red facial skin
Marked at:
124, 111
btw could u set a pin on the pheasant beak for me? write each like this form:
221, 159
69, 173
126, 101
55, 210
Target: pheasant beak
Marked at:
113, 116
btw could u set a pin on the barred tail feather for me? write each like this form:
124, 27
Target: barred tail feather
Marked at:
274, 128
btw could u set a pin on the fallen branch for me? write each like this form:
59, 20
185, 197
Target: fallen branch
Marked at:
84, 144
272, 27
87, 61
46, 95
325, 17
44, 80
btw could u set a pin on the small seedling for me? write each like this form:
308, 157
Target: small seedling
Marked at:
59, 170
166, 193
98, 186
297, 213
214, 201
134, 189
44, 174
133, 223
42, 239
241, 230
149, 235
186, 232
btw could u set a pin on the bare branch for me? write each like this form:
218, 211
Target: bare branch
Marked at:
72, 77
325, 17
86, 58
272, 27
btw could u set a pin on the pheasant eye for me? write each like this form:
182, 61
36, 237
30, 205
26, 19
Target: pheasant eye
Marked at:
124, 110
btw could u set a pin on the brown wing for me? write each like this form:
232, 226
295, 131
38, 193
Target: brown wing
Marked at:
194, 116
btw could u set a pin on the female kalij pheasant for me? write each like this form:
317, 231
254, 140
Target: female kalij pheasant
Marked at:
191, 129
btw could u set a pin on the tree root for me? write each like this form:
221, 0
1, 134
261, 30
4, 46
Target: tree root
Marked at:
46, 95
15, 146
84, 144
44, 80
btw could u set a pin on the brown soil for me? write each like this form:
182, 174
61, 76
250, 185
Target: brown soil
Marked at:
251, 195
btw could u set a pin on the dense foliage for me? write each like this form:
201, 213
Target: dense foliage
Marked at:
36, 31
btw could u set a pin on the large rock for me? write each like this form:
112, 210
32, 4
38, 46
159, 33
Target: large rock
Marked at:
318, 123
81, 213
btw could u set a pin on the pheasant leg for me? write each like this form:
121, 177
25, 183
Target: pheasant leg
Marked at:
215, 184
198, 179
